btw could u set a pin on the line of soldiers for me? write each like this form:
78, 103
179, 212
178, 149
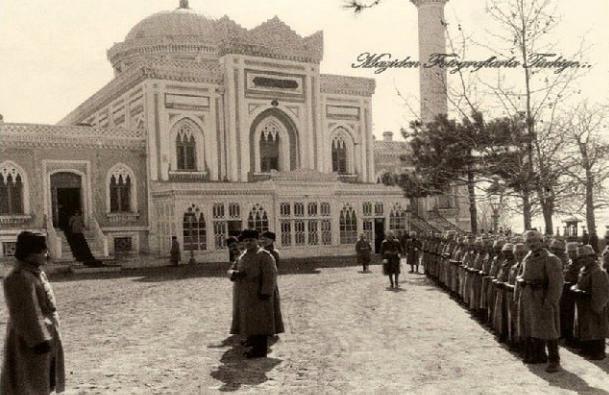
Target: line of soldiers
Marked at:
531, 290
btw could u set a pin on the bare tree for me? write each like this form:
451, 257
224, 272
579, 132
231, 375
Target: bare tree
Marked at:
586, 159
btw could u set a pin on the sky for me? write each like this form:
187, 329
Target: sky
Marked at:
54, 52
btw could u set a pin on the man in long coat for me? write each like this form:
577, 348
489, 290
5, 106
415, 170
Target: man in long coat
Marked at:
256, 279
592, 293
268, 243
390, 251
33, 351
542, 284
413, 246
363, 249
567, 299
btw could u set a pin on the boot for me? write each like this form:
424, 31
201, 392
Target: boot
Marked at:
553, 367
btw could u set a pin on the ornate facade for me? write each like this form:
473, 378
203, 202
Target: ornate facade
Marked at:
206, 128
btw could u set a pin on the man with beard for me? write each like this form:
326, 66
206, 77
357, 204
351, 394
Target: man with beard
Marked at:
542, 283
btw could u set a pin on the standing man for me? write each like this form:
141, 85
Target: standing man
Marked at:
592, 294
33, 351
413, 246
542, 281
175, 251
256, 280
390, 251
363, 250
268, 243
567, 299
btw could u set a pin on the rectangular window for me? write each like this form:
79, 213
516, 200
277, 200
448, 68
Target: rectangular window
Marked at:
284, 209
286, 233
312, 209
325, 209
367, 209
326, 232
378, 208
8, 248
234, 211
123, 245
299, 232
313, 232
218, 210
219, 234
299, 209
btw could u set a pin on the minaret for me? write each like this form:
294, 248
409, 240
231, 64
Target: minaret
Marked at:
432, 39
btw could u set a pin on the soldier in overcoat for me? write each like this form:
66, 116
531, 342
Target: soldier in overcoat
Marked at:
413, 246
567, 299
33, 351
256, 279
592, 294
390, 251
363, 250
542, 284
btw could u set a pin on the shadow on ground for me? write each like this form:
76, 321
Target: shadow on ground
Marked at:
565, 380
236, 371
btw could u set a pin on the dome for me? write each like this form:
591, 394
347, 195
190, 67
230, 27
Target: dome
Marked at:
177, 23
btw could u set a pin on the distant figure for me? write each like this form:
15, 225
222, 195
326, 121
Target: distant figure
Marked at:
390, 251
33, 352
76, 223
413, 246
363, 250
267, 239
77, 241
175, 251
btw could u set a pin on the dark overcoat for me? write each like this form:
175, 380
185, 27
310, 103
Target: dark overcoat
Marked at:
391, 250
32, 320
541, 302
592, 322
279, 328
258, 280
363, 250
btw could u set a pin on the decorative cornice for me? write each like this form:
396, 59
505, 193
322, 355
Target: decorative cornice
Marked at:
340, 84
35, 135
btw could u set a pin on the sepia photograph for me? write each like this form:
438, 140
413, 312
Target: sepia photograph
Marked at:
304, 197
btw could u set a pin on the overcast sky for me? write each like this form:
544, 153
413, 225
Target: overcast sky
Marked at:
53, 52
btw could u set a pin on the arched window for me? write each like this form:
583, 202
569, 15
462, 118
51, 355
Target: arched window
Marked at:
339, 155
269, 147
186, 151
348, 225
11, 190
121, 189
397, 219
195, 234
258, 219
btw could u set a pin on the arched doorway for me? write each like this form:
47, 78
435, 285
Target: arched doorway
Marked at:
273, 142
66, 197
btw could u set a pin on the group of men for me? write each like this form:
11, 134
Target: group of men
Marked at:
393, 249
256, 302
531, 290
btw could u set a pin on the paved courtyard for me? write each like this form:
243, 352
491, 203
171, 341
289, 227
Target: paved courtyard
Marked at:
166, 332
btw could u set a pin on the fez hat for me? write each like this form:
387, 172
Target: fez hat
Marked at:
498, 243
29, 243
557, 244
231, 240
572, 246
248, 234
269, 235
508, 247
586, 250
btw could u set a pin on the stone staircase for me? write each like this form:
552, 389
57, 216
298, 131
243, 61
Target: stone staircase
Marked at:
421, 226
66, 251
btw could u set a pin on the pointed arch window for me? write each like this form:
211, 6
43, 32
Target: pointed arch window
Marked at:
339, 155
186, 151
348, 225
121, 193
258, 219
269, 148
11, 193
194, 229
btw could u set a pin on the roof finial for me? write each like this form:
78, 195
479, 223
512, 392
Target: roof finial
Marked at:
184, 4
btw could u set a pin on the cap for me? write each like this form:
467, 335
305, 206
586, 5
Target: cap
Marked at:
269, 235
248, 234
586, 250
231, 240
557, 244
572, 246
507, 247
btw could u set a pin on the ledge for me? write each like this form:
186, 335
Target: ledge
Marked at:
15, 219
188, 176
122, 217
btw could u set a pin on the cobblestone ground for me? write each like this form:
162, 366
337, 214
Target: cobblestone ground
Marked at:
166, 332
